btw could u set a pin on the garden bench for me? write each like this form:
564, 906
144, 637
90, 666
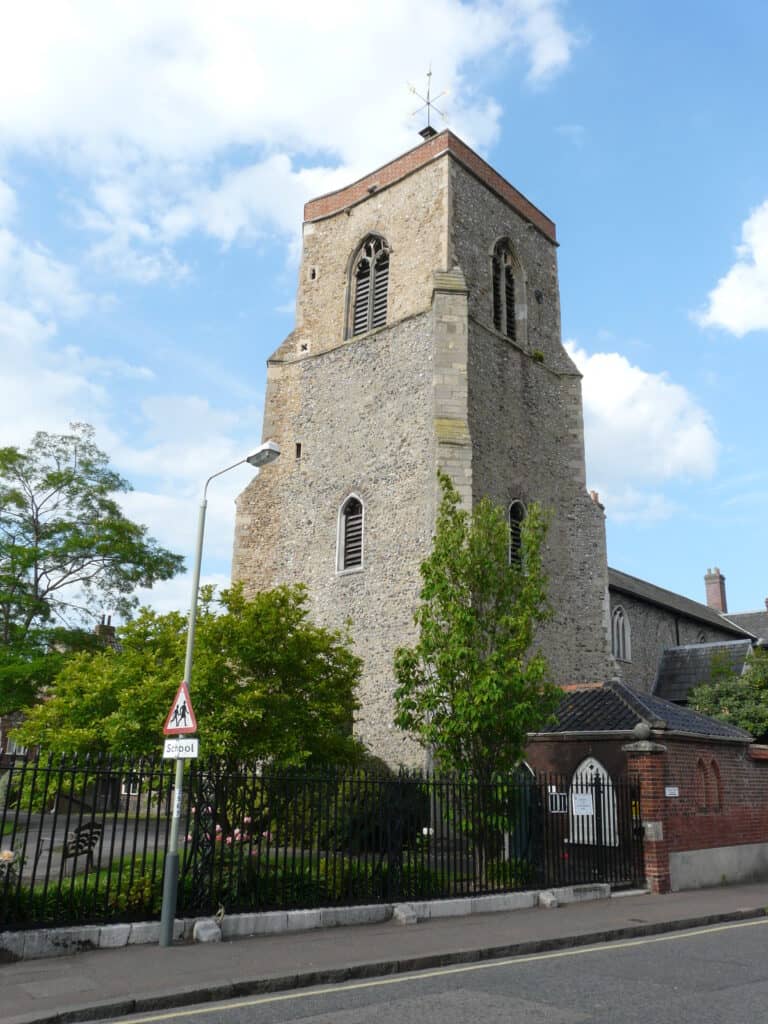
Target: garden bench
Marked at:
82, 840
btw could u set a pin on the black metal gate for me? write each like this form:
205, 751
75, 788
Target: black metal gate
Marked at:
591, 830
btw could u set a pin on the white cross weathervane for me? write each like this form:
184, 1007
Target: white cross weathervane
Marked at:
428, 104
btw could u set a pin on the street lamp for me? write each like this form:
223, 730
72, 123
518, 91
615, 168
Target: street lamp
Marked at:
263, 455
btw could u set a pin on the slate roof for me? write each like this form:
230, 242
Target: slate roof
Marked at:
682, 668
644, 591
755, 622
616, 708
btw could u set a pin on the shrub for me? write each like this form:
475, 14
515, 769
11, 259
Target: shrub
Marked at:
379, 814
511, 874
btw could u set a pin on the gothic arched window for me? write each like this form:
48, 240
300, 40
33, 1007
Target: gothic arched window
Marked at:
370, 285
350, 547
507, 281
620, 635
516, 517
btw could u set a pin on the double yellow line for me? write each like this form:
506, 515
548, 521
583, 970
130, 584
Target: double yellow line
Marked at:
486, 965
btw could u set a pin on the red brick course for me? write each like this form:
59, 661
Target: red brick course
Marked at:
445, 142
722, 801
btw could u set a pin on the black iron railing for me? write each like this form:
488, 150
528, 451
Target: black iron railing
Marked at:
85, 840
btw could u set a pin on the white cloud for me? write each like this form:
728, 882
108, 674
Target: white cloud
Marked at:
629, 505
739, 301
184, 440
119, 254
40, 389
549, 42
32, 277
144, 100
186, 77
174, 595
641, 430
7, 203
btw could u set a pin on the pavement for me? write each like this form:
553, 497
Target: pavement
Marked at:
107, 984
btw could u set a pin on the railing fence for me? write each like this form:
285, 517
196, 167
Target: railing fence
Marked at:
85, 840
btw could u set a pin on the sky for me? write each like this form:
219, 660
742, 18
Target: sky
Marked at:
155, 157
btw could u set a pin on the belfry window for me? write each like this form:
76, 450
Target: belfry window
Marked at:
504, 269
620, 637
516, 517
370, 283
350, 554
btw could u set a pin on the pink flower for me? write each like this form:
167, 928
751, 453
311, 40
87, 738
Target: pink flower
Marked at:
189, 837
229, 840
247, 819
218, 828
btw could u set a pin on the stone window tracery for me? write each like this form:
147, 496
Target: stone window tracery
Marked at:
620, 635
370, 286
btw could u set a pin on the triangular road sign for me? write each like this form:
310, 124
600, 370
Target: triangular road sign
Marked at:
181, 718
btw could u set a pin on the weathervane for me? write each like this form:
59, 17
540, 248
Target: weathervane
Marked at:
429, 104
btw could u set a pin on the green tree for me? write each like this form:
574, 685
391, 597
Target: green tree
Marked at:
473, 686
739, 700
65, 548
267, 684
28, 666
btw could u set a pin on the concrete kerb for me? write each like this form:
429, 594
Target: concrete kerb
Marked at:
308, 979
49, 942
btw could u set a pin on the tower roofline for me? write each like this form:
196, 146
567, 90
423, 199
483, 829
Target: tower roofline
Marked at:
446, 142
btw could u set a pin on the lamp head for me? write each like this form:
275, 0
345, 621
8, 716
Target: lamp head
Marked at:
264, 454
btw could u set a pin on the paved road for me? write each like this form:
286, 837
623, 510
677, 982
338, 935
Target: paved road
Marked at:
715, 975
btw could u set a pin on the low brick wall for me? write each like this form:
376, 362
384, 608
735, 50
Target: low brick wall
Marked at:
704, 806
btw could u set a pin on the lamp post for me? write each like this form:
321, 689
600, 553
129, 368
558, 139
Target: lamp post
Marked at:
263, 455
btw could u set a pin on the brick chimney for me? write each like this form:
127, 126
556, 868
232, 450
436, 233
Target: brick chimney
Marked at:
714, 582
106, 632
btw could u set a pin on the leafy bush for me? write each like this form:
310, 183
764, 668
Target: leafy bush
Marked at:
514, 873
82, 900
378, 815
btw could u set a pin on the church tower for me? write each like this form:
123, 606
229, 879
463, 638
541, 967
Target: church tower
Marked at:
427, 335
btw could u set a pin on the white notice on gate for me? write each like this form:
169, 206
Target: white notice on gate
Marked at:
582, 804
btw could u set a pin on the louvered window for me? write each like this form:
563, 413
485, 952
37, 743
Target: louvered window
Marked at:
516, 517
503, 274
509, 302
371, 286
351, 535
497, 293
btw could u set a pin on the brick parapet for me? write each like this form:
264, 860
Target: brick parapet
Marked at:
444, 143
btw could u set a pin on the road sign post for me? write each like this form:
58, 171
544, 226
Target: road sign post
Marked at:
185, 719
